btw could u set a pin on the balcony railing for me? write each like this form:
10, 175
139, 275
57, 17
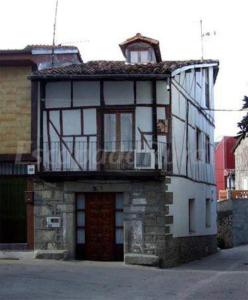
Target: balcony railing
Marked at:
232, 194
66, 156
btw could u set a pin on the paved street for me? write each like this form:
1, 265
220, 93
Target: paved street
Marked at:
221, 276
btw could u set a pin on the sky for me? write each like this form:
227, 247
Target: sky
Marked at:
98, 26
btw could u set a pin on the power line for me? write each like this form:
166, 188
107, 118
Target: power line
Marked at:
223, 109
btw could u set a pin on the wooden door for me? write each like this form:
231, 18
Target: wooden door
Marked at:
100, 226
13, 223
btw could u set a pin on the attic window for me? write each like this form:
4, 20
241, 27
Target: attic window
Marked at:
140, 56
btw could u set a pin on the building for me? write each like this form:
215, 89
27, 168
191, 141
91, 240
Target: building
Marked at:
16, 130
241, 164
233, 205
125, 167
225, 164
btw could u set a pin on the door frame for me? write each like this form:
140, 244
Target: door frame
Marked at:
80, 250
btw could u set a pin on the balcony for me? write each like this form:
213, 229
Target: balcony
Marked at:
66, 157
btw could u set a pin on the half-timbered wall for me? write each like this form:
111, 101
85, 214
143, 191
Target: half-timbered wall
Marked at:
72, 128
189, 114
193, 161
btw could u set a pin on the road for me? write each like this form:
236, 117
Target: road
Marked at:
220, 276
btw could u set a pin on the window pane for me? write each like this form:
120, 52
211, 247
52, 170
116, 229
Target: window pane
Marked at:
119, 201
80, 236
119, 218
81, 202
134, 57
191, 215
144, 56
208, 213
110, 132
126, 131
119, 236
80, 218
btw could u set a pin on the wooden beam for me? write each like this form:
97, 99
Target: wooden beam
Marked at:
154, 122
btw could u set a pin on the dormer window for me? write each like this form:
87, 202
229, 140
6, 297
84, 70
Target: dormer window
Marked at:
140, 56
141, 50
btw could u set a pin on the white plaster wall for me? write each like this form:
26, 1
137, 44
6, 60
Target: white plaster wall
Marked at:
197, 169
183, 190
118, 92
86, 93
58, 94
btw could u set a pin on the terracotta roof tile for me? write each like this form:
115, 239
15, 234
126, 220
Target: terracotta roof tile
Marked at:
116, 68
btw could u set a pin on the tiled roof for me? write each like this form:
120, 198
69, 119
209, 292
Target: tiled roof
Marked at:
93, 68
140, 37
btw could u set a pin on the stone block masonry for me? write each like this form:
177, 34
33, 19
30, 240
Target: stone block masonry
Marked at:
148, 236
15, 110
232, 222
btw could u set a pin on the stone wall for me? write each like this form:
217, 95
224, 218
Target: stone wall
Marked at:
15, 110
232, 222
147, 221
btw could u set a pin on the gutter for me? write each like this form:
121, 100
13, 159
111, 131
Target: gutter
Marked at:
98, 76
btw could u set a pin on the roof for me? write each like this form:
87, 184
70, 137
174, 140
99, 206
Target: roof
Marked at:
141, 38
115, 68
29, 48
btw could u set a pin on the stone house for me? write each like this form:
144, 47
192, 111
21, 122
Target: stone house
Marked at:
125, 158
16, 132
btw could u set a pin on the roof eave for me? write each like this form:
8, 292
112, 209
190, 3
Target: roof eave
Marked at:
98, 76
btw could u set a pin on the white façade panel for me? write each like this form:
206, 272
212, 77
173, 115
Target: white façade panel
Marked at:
144, 119
161, 113
89, 117
144, 92
86, 93
71, 122
58, 94
54, 116
162, 92
118, 92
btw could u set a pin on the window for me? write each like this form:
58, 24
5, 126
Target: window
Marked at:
119, 204
140, 56
208, 213
207, 95
198, 144
80, 219
207, 149
118, 131
191, 215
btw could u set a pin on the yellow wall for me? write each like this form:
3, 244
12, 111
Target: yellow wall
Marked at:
15, 110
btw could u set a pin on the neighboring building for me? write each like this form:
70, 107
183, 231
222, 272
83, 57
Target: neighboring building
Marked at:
126, 160
16, 132
241, 164
233, 206
225, 164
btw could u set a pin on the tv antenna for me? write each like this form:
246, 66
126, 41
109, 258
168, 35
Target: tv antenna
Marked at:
203, 35
54, 30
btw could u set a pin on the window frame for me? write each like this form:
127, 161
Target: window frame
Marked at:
191, 214
207, 149
198, 143
208, 220
207, 92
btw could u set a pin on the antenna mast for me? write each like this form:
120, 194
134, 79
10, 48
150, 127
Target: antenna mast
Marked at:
202, 46
54, 30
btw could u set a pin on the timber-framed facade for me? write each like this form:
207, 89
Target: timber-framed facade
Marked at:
120, 170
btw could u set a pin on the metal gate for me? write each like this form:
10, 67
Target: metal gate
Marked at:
13, 223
